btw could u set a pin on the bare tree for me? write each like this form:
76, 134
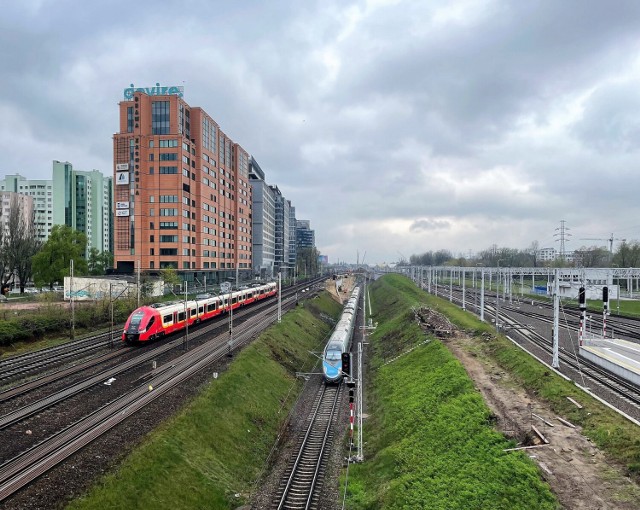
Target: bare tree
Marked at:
6, 267
22, 241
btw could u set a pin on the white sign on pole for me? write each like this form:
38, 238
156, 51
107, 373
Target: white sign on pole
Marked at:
122, 212
122, 205
122, 178
120, 167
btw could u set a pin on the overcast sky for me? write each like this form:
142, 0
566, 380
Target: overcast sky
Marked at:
396, 127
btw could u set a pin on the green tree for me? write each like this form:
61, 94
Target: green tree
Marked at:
22, 242
307, 261
51, 263
99, 262
170, 277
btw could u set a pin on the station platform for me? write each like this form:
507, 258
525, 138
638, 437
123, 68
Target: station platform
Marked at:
618, 356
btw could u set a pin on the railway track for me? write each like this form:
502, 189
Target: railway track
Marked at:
26, 466
300, 485
20, 366
622, 394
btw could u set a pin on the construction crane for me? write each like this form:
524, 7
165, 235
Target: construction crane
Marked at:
610, 239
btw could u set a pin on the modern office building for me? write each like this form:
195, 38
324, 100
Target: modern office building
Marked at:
83, 201
41, 191
305, 237
292, 236
182, 194
263, 222
282, 213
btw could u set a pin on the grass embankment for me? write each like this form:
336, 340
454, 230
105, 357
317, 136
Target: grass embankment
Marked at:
430, 442
611, 432
392, 409
218, 446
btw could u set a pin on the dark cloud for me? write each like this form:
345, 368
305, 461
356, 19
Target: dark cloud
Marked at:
377, 120
611, 119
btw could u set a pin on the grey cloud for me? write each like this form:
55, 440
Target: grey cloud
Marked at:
611, 119
429, 224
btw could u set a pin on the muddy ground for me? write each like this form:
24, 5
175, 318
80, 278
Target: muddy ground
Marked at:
580, 474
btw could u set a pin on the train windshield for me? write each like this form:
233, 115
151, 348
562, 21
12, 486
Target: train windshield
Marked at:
136, 318
333, 355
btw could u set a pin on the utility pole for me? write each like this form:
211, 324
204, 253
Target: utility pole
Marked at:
230, 320
498, 276
279, 296
73, 312
111, 325
482, 298
562, 235
138, 283
464, 304
186, 312
556, 316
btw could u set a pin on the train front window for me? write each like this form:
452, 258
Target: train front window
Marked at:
333, 355
136, 318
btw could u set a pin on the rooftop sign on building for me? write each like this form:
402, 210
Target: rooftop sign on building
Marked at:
153, 91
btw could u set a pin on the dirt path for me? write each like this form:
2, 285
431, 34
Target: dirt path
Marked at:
348, 282
579, 473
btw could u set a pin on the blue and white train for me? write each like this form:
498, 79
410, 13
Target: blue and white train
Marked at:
340, 340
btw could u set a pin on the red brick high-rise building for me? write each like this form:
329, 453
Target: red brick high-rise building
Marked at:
181, 190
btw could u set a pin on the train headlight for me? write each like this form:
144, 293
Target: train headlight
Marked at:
142, 330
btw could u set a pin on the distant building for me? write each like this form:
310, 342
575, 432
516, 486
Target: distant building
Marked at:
182, 191
41, 191
546, 254
263, 222
305, 237
293, 249
282, 206
551, 254
83, 201
8, 200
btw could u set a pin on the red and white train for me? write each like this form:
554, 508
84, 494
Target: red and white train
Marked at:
161, 319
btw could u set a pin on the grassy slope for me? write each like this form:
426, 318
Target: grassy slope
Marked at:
429, 440
218, 445
610, 431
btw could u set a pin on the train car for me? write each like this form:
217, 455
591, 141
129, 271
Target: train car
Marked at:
340, 341
160, 319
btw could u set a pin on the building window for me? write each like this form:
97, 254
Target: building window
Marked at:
130, 119
168, 169
160, 117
